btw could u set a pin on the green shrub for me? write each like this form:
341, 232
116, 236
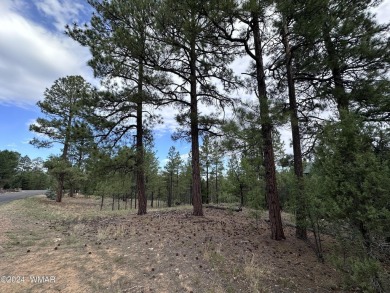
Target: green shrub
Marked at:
361, 273
51, 194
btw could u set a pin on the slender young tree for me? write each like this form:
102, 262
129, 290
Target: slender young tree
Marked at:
151, 175
217, 167
172, 168
205, 154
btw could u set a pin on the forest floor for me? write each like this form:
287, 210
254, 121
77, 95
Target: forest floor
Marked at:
74, 247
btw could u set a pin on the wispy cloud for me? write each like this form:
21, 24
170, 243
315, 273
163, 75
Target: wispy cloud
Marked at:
62, 11
32, 56
383, 12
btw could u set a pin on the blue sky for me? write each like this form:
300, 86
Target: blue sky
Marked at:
34, 52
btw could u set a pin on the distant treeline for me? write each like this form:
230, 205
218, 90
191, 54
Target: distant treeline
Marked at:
17, 171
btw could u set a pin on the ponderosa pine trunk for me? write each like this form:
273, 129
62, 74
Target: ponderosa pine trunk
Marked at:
207, 183
196, 191
64, 157
170, 191
142, 202
60, 187
275, 218
300, 231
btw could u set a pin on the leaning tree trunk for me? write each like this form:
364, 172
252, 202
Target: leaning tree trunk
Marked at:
266, 131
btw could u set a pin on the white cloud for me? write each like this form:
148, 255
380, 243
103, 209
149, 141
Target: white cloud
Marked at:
184, 157
383, 12
32, 57
169, 122
63, 11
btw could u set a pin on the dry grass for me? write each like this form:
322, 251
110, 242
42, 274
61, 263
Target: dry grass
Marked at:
167, 250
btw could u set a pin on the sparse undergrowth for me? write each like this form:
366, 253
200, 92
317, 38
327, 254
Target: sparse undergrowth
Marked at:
167, 250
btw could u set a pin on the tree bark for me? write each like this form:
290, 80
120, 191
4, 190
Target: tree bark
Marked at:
196, 192
60, 187
242, 194
207, 183
216, 182
71, 191
142, 201
266, 131
170, 189
64, 156
301, 213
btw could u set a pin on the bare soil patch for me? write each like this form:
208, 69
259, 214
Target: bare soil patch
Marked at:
167, 250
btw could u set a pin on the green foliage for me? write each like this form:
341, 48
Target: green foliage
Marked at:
119, 43
211, 163
172, 168
355, 181
8, 167
362, 274
64, 106
244, 182
18, 171
112, 173
51, 194
288, 189
56, 166
348, 190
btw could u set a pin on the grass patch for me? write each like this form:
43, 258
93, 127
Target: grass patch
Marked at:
167, 250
